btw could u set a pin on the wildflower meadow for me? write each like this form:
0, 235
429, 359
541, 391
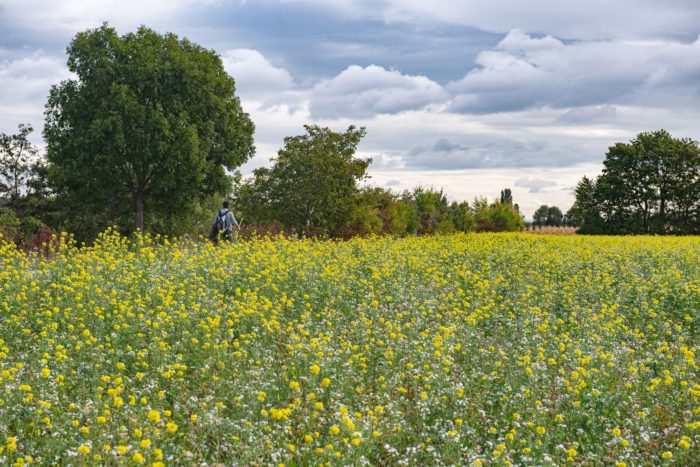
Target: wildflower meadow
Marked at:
466, 349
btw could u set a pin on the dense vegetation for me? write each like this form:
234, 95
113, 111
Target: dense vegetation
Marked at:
650, 185
435, 350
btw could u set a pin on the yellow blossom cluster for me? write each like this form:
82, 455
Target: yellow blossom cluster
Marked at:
468, 349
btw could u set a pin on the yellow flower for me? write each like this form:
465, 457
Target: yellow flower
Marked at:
138, 458
617, 432
154, 416
194, 418
334, 430
294, 385
315, 369
171, 427
667, 455
45, 372
325, 382
83, 449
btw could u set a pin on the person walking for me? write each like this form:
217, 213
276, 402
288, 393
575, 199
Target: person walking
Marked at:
224, 221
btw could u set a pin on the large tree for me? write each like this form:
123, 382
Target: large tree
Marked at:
148, 127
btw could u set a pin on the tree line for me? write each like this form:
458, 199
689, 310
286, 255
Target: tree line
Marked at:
148, 135
314, 187
150, 132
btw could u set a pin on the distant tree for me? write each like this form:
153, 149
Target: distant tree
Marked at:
24, 198
496, 217
146, 130
650, 185
393, 214
555, 217
17, 156
585, 212
539, 218
431, 209
506, 196
462, 216
312, 183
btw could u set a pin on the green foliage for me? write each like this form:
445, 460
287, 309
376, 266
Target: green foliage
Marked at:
497, 217
550, 216
539, 218
16, 156
145, 132
9, 224
432, 210
365, 220
648, 186
462, 216
379, 211
312, 183
506, 196
25, 200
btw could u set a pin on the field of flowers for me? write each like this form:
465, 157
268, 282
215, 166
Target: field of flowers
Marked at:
482, 349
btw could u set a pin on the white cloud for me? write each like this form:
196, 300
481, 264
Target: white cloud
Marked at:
534, 185
256, 78
70, 16
590, 114
522, 71
24, 89
363, 92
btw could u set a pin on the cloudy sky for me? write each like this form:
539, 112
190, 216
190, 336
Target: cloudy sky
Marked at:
467, 95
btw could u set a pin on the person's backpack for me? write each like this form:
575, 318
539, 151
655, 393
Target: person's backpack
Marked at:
221, 220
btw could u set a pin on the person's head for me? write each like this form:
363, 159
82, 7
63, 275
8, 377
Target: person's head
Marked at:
226, 204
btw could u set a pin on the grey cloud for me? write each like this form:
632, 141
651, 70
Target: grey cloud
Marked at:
588, 20
522, 72
361, 92
534, 185
24, 88
490, 152
592, 114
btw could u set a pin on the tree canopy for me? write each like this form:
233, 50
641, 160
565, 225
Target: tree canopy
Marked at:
650, 185
550, 216
145, 132
312, 183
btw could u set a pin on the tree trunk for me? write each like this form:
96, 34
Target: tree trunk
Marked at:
138, 202
662, 211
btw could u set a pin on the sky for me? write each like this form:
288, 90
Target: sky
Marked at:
468, 96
